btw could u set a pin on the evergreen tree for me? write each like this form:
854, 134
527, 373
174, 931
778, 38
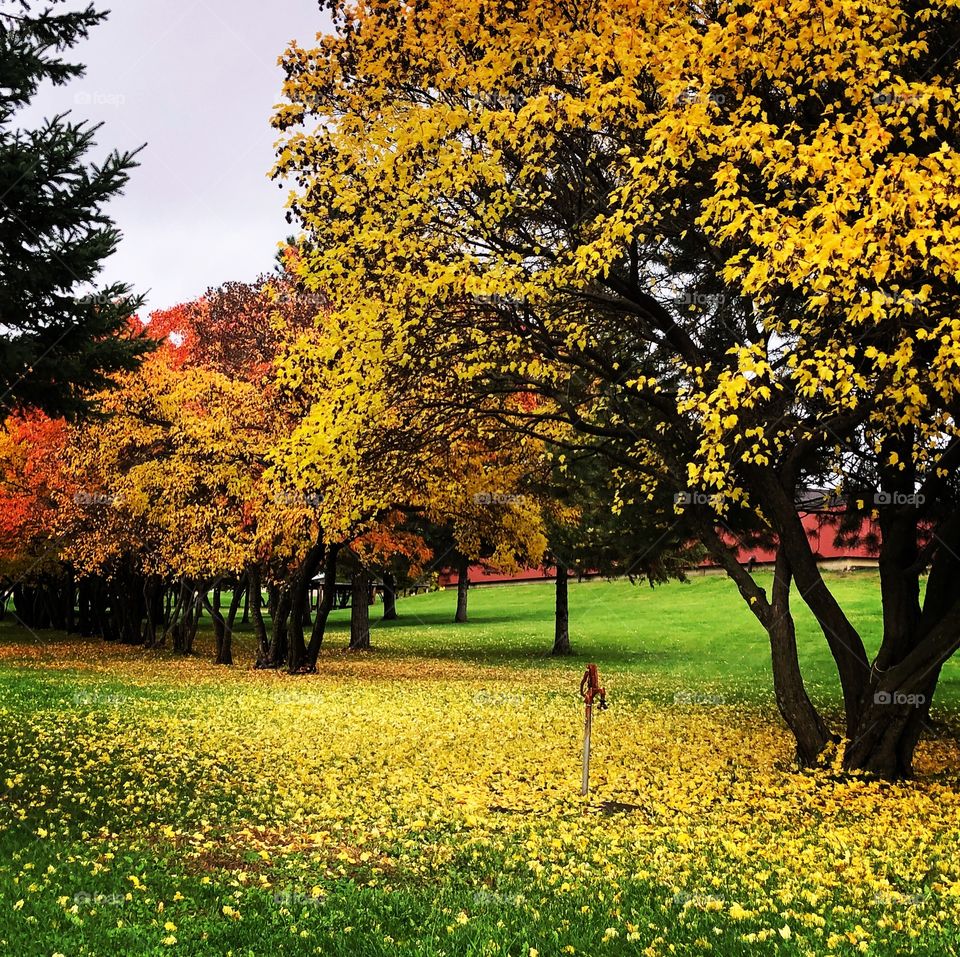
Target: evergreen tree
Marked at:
60, 333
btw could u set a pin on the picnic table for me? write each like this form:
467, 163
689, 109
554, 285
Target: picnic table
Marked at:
343, 591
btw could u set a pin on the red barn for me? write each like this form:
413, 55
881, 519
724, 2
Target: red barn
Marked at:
852, 551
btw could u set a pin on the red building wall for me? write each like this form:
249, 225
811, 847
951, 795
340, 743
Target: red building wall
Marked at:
820, 528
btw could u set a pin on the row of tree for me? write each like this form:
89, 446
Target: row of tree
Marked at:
236, 463
718, 256
227, 449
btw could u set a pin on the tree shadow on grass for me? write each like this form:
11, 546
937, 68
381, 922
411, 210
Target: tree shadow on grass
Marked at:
526, 655
436, 619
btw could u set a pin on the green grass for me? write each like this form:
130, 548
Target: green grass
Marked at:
679, 635
106, 747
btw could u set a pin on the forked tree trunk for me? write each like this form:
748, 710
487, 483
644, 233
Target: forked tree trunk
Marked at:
846, 645
360, 610
223, 652
192, 620
324, 608
886, 705
463, 588
890, 728
561, 637
174, 629
902, 685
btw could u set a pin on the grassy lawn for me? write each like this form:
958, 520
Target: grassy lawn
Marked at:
687, 637
423, 799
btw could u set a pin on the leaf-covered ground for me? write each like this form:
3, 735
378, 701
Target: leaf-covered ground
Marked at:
424, 803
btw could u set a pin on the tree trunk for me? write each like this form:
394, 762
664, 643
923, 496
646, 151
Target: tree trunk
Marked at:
463, 586
129, 607
277, 654
561, 639
793, 702
324, 608
85, 625
70, 600
102, 619
389, 597
223, 655
898, 704
255, 605
846, 645
888, 734
226, 653
360, 610
174, 629
191, 620
300, 593
797, 710
899, 694
153, 593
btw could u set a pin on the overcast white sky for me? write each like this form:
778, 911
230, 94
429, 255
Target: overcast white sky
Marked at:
195, 80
